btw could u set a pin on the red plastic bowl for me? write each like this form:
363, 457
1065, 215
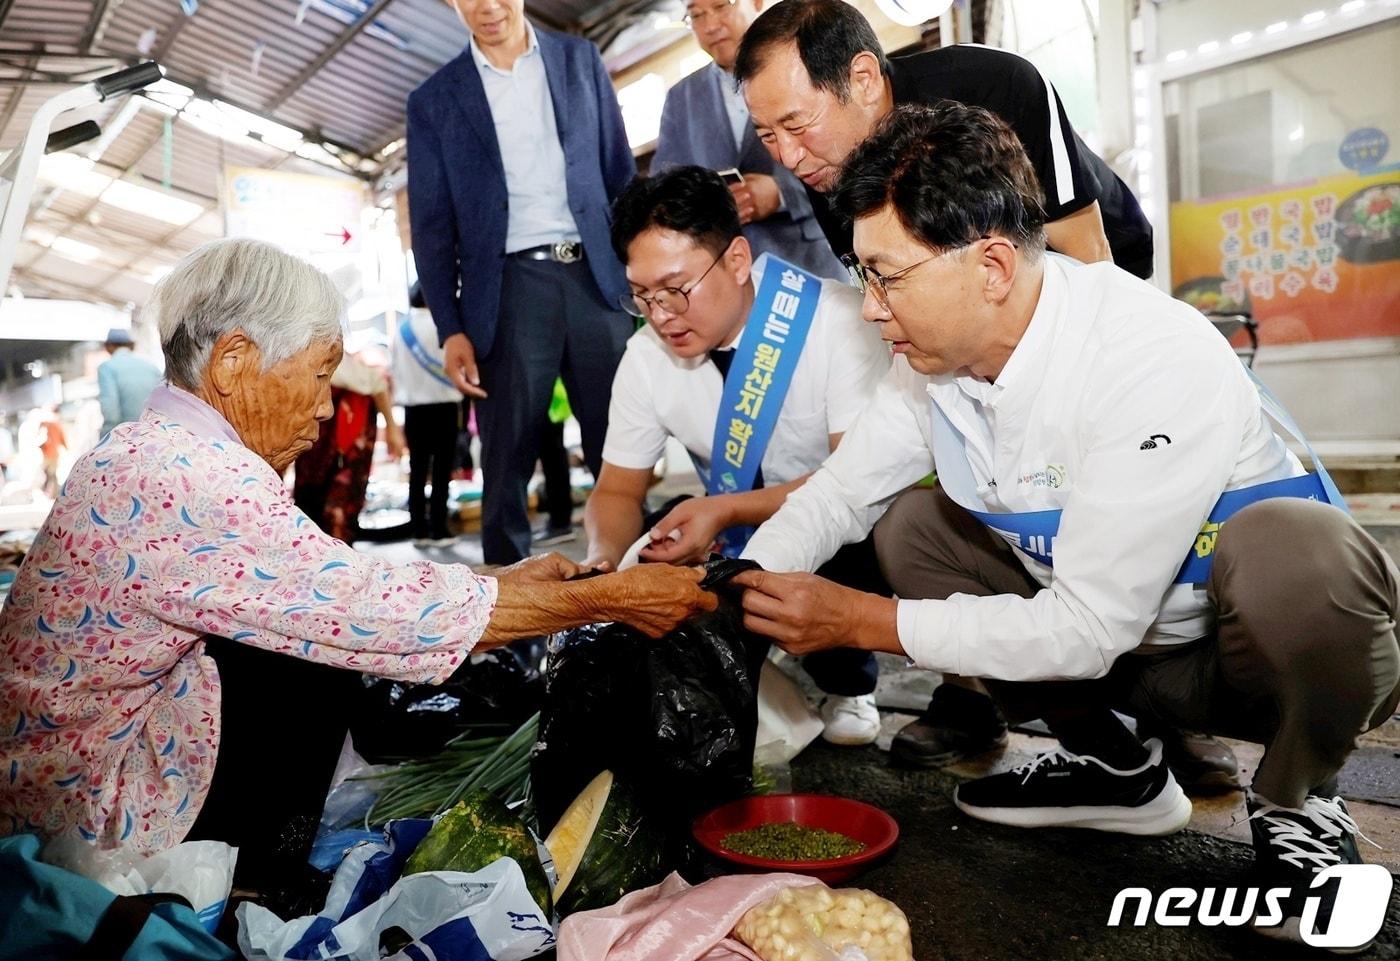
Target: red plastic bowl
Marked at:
869, 825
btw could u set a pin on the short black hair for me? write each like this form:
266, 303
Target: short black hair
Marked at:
689, 200
953, 173
828, 33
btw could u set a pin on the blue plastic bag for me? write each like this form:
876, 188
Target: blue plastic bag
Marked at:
485, 915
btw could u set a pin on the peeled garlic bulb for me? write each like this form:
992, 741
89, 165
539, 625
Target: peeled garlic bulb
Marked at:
817, 924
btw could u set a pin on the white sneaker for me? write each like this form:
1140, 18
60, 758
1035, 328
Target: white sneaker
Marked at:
850, 720
422, 542
447, 541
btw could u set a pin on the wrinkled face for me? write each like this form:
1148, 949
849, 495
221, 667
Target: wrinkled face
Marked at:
809, 131
936, 313
277, 412
492, 22
719, 25
718, 304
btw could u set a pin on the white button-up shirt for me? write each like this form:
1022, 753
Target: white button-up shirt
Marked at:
735, 108
656, 394
523, 113
1107, 363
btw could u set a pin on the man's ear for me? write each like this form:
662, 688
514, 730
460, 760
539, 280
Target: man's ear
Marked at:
1000, 263
232, 357
867, 82
738, 259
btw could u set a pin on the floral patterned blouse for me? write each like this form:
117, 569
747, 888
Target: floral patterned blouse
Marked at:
169, 530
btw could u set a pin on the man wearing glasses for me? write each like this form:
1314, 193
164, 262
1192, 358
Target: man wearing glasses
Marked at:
1117, 526
817, 82
693, 279
705, 121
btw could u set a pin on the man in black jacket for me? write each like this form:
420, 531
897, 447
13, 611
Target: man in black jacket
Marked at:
817, 82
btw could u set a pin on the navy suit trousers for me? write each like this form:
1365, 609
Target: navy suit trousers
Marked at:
553, 323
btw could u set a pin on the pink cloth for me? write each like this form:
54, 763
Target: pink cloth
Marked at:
170, 529
673, 921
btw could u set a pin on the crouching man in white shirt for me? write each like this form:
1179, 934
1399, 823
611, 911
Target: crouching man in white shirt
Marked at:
1086, 430
694, 282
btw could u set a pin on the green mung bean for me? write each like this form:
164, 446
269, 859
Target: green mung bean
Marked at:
786, 841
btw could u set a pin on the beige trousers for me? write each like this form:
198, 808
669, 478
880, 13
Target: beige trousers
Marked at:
1303, 660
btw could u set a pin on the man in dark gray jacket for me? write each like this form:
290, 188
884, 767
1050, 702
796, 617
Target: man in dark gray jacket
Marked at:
706, 122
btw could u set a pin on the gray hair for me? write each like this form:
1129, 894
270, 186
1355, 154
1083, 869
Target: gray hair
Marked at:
280, 302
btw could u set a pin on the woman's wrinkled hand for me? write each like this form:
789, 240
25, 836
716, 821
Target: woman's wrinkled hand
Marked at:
539, 569
653, 598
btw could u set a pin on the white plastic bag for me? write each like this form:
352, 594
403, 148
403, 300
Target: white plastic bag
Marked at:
786, 721
201, 872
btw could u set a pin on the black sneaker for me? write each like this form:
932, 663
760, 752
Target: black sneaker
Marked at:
1059, 789
957, 724
1292, 846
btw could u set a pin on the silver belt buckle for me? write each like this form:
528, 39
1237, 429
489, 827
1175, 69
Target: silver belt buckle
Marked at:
567, 253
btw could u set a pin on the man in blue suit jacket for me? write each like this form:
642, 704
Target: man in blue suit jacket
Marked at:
706, 122
516, 150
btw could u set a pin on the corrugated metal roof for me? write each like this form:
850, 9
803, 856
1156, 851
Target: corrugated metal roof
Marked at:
355, 98
323, 67
58, 25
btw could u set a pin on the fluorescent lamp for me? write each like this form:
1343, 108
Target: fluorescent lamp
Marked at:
1317, 16
1176, 56
1351, 6
69, 171
1240, 39
155, 275
151, 203
1210, 46
911, 13
1274, 28
64, 246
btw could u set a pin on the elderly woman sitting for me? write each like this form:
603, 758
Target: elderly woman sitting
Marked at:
180, 624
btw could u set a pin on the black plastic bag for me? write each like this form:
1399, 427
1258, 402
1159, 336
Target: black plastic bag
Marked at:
674, 718
494, 690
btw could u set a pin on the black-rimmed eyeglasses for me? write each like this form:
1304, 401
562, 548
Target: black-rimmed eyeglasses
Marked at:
673, 300
869, 279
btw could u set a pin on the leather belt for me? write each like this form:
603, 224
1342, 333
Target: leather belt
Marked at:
563, 252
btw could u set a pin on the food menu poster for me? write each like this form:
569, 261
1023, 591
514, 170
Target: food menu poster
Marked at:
1312, 261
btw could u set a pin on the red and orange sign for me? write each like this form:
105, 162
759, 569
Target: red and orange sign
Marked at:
1313, 261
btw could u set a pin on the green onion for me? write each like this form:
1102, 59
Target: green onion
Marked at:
467, 763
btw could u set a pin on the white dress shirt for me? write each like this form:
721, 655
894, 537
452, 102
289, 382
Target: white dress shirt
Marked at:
735, 107
523, 113
1107, 363
656, 394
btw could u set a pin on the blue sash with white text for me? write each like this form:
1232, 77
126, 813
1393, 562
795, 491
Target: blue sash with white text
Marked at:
420, 353
758, 380
1033, 532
